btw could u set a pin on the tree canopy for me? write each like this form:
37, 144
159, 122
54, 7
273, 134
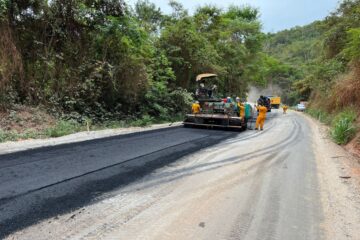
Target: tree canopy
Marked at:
103, 58
319, 53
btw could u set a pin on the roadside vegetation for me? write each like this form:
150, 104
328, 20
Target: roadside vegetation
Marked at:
343, 128
96, 64
107, 62
34, 123
325, 59
343, 124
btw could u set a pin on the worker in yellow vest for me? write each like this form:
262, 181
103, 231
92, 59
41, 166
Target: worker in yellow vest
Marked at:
196, 107
285, 108
240, 108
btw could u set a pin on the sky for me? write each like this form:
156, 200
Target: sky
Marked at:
276, 15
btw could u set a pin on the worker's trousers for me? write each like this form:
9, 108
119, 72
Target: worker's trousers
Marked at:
260, 122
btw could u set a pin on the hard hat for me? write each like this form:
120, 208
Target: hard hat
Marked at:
196, 101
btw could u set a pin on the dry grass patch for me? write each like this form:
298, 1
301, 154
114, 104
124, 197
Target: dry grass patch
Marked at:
22, 119
347, 91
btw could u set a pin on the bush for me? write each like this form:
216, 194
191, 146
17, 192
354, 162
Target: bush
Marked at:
144, 121
14, 136
181, 101
63, 128
343, 127
6, 136
113, 124
165, 105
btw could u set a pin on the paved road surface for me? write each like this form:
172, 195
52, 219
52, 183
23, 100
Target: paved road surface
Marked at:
176, 183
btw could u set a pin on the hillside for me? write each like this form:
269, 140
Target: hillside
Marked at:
325, 56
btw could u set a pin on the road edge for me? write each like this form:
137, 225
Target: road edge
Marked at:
79, 137
339, 185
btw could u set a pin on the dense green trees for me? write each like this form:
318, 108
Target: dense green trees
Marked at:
324, 57
103, 59
227, 43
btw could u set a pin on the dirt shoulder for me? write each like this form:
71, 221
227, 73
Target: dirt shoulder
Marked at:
354, 145
339, 180
10, 147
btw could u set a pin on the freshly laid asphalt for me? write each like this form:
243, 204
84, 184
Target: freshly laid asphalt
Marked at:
280, 201
40, 183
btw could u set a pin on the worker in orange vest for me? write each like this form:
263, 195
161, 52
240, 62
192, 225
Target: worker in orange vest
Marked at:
261, 117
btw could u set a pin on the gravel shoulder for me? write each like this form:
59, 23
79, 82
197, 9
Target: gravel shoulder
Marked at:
339, 180
11, 147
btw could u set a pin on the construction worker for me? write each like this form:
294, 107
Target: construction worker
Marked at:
261, 117
196, 107
211, 91
285, 108
239, 108
242, 110
261, 100
236, 106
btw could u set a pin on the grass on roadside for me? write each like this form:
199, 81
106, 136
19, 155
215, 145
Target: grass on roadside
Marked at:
320, 115
14, 136
63, 127
343, 127
66, 127
144, 121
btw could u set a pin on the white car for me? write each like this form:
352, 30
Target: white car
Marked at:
300, 107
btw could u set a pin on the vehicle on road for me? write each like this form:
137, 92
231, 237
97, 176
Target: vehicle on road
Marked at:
265, 101
305, 103
214, 111
275, 101
300, 107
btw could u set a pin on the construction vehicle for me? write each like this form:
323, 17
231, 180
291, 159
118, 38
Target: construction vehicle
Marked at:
265, 101
275, 101
215, 112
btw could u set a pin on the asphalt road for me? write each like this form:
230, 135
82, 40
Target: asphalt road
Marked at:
175, 183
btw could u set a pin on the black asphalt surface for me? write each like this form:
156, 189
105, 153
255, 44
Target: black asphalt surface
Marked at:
43, 183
